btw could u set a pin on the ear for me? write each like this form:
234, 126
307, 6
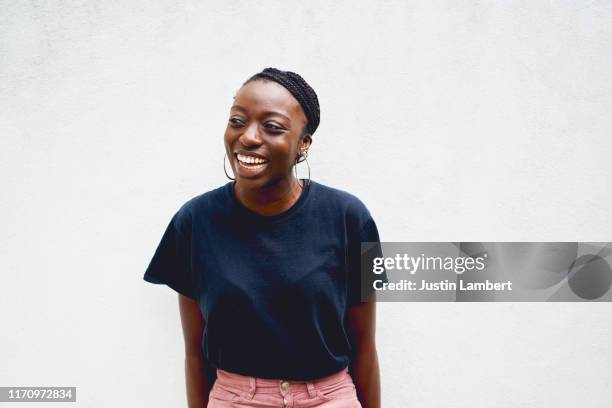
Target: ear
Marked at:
305, 143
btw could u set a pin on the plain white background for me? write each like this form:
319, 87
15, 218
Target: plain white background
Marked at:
450, 120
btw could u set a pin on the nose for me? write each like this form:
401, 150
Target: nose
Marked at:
250, 136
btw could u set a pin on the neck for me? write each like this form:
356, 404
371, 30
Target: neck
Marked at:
270, 199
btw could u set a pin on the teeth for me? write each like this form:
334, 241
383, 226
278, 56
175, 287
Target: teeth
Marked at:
250, 159
257, 166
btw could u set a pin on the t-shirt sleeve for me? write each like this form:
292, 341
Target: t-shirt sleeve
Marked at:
361, 276
171, 263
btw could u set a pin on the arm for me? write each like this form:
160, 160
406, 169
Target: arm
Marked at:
364, 368
193, 327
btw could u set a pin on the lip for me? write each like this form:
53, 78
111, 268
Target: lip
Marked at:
249, 172
250, 154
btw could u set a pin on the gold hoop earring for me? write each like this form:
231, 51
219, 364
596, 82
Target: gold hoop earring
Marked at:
297, 160
307, 165
225, 171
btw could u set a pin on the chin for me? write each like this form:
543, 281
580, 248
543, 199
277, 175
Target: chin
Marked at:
259, 182
255, 182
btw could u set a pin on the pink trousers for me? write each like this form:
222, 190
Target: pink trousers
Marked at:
237, 391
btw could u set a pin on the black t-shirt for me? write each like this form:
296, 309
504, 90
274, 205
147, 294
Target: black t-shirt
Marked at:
273, 290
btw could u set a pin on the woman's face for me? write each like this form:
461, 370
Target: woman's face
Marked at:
262, 138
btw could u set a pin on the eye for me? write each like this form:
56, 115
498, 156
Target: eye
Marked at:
273, 127
235, 121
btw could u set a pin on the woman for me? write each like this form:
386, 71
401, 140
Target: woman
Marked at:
267, 268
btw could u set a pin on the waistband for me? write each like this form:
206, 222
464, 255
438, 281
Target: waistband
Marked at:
250, 384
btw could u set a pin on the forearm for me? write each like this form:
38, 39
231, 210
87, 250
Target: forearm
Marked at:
366, 376
195, 378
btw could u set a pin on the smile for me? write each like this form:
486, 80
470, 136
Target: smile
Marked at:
251, 162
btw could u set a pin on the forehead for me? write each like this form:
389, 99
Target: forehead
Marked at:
262, 96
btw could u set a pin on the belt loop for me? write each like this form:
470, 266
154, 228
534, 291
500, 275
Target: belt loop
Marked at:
311, 389
252, 388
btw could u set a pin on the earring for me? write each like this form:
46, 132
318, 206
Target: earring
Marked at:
225, 171
302, 157
307, 165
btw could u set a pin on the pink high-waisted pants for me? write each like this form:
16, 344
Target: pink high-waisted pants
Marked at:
237, 391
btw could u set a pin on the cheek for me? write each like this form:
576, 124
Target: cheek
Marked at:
284, 153
228, 137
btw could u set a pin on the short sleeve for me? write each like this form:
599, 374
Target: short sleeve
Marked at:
171, 263
361, 277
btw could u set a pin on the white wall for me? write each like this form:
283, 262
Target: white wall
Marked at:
451, 120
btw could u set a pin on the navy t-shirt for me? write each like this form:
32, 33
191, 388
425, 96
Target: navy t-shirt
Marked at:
274, 291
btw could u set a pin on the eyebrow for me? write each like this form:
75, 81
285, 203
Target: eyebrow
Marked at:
266, 113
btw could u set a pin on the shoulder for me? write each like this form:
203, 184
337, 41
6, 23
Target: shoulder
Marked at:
340, 200
201, 204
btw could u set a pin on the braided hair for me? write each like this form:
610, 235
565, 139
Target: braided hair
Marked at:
299, 88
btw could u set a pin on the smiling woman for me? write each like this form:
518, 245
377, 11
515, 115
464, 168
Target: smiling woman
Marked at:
267, 268
267, 134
